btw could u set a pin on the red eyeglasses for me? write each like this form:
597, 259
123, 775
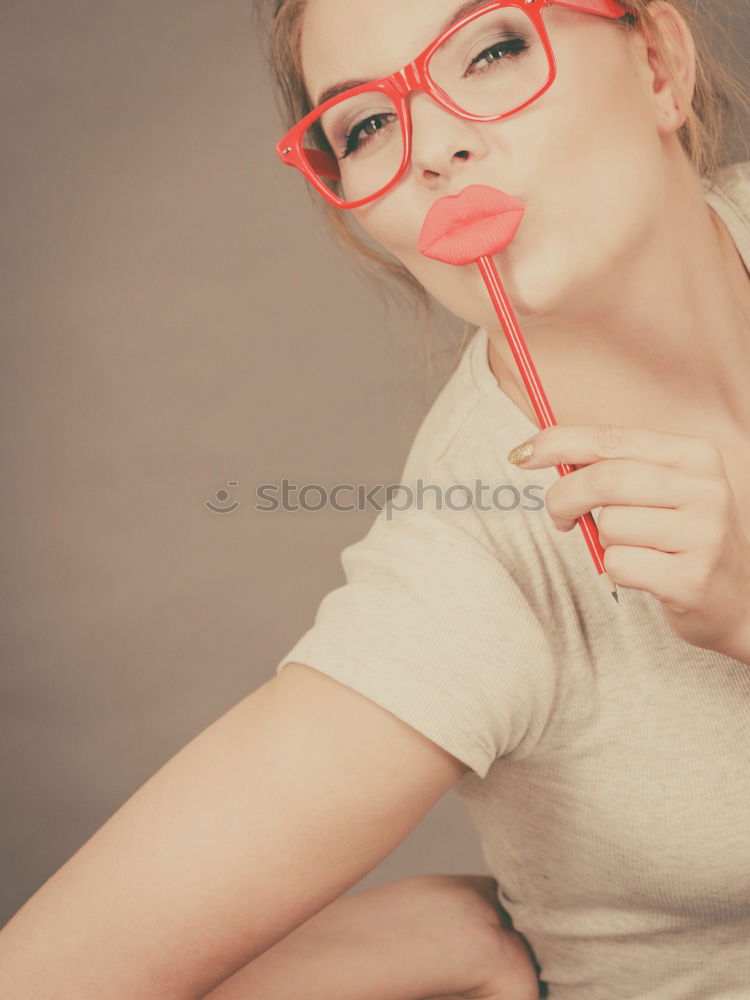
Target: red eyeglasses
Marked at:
484, 66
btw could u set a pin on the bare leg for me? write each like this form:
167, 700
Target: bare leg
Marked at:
419, 938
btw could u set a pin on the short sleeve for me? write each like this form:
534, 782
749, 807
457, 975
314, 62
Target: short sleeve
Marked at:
432, 626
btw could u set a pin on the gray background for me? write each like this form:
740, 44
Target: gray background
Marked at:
174, 318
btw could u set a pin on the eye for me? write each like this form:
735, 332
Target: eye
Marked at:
499, 52
368, 127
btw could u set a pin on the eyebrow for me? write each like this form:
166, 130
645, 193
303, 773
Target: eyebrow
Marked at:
338, 88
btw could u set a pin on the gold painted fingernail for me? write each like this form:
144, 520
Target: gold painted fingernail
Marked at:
521, 453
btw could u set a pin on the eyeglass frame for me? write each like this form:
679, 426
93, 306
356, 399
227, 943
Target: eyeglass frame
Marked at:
415, 75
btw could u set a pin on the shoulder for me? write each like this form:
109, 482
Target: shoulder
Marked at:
731, 184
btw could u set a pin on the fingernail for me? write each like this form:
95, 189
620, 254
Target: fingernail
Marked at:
521, 453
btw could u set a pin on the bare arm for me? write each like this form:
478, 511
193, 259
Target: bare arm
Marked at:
269, 814
426, 935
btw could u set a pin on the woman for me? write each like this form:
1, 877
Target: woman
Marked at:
602, 749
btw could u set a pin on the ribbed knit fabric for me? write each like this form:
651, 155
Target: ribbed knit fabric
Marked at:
610, 760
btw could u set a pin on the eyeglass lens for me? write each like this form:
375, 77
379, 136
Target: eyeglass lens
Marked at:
489, 67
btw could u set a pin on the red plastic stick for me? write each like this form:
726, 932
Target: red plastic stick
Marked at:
535, 390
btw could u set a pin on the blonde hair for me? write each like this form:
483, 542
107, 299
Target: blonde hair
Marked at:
721, 100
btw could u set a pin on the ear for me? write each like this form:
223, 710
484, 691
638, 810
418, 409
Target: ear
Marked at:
671, 97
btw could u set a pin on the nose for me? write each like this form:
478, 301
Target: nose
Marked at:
441, 142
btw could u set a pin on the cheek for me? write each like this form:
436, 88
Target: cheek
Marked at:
391, 222
600, 185
600, 120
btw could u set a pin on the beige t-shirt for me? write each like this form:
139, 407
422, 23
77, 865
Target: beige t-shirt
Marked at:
610, 760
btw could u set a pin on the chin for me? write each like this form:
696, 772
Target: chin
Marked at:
549, 278
535, 286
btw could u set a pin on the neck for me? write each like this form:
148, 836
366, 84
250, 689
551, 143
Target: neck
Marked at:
666, 341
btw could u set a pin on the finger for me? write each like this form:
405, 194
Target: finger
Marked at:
648, 527
658, 573
618, 482
582, 445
